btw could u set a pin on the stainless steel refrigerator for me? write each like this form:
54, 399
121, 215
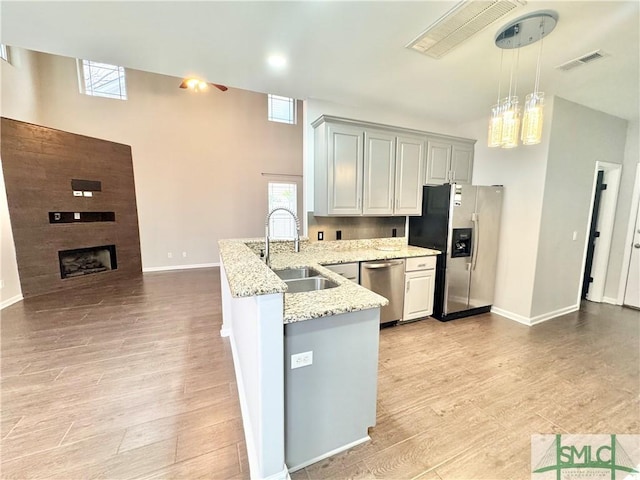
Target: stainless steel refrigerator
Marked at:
462, 221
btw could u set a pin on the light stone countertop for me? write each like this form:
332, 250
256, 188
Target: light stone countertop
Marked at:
249, 276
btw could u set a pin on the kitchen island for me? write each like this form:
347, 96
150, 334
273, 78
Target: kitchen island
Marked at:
340, 325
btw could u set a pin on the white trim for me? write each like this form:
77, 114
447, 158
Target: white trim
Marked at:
530, 321
225, 332
606, 219
330, 454
511, 316
179, 267
611, 300
631, 226
10, 301
556, 313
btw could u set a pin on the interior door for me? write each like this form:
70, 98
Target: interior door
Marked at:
593, 234
632, 290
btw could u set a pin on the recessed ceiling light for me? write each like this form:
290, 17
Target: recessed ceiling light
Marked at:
277, 61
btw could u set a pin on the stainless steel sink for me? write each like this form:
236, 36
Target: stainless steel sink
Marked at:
296, 273
309, 284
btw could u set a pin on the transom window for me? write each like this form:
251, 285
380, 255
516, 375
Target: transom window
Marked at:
282, 109
102, 79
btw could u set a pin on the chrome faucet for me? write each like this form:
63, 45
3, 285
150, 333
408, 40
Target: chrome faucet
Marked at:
296, 241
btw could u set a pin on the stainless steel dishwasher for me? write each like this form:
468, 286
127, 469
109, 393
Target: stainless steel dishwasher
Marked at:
386, 278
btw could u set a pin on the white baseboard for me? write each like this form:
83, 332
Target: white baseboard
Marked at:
179, 267
10, 301
330, 454
225, 332
511, 316
611, 300
538, 318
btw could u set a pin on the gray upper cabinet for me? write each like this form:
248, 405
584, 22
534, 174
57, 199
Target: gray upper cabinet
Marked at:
338, 169
379, 173
449, 161
369, 169
410, 154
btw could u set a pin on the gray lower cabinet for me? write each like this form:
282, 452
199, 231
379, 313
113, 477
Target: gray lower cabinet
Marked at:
449, 161
330, 404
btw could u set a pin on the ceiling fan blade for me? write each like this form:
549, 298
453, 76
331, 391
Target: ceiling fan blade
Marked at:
220, 87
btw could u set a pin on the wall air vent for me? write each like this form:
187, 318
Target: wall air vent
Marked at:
459, 24
584, 59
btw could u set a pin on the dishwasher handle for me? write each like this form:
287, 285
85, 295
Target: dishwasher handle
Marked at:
382, 265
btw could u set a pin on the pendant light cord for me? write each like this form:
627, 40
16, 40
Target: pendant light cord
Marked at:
537, 86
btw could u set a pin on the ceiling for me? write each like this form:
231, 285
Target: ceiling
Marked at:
350, 53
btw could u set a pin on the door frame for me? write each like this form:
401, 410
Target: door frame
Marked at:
606, 219
626, 255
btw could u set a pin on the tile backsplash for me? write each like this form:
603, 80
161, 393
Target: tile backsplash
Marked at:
355, 228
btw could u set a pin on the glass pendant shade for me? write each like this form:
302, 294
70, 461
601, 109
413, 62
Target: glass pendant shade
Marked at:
495, 126
532, 118
510, 122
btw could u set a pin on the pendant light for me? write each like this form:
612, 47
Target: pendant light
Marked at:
504, 123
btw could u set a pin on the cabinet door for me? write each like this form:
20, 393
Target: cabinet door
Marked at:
418, 294
409, 175
438, 163
462, 163
345, 158
379, 168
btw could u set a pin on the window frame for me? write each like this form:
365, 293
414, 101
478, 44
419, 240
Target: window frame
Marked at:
293, 109
122, 80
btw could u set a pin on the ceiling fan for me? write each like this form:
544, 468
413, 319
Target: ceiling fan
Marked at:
197, 85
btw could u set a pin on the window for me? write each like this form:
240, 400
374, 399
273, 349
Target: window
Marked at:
4, 53
282, 109
102, 79
282, 194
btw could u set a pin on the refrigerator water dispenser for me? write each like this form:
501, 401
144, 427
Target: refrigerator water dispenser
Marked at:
461, 239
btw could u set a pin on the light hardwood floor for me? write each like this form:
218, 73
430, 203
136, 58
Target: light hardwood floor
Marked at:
134, 381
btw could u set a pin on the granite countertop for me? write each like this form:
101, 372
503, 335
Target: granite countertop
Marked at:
249, 276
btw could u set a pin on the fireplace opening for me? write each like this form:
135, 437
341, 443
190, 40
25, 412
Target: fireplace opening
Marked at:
85, 261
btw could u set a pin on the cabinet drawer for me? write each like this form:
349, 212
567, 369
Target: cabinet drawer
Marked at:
347, 270
421, 263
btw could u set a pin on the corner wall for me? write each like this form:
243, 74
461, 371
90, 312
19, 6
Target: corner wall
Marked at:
580, 136
198, 159
19, 91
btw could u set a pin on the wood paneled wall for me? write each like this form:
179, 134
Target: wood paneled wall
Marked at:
38, 165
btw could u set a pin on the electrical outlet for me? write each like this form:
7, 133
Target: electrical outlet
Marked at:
394, 232
169, 255
320, 236
338, 234
575, 236
184, 254
301, 359
1, 283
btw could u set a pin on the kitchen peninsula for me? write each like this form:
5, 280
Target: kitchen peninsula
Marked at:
299, 415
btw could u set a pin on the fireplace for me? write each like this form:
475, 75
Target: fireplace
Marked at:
85, 261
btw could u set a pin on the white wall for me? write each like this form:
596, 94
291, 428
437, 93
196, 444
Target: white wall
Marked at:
623, 210
198, 158
522, 171
19, 100
580, 137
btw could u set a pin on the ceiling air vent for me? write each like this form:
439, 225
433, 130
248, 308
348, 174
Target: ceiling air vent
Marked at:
584, 59
459, 24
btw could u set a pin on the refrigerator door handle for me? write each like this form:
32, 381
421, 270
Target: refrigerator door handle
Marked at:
476, 239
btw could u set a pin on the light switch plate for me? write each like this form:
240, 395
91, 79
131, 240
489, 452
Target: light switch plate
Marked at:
88, 194
77, 193
301, 359
76, 216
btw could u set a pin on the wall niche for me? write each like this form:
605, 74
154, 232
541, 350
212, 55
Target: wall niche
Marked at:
41, 168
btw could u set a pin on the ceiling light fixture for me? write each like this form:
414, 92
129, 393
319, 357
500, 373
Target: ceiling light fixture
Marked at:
277, 61
504, 123
194, 84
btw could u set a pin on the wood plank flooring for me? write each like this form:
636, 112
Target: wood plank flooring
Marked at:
134, 381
